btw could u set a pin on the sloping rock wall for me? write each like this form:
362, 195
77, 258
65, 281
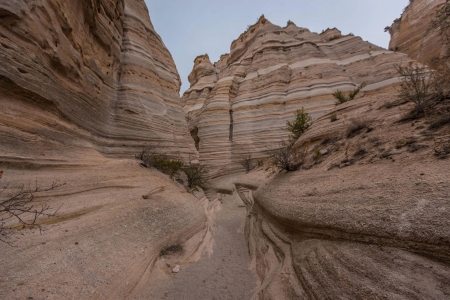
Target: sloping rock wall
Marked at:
84, 77
240, 104
412, 32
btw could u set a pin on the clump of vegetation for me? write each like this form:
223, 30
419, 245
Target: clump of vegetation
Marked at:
342, 98
286, 158
196, 175
356, 126
301, 123
333, 117
171, 249
151, 157
247, 163
335, 37
424, 87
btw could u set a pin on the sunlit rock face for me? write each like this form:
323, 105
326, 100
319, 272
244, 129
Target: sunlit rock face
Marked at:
240, 104
413, 34
83, 78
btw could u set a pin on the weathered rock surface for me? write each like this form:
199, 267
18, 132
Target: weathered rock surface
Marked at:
85, 76
240, 104
84, 85
412, 32
367, 220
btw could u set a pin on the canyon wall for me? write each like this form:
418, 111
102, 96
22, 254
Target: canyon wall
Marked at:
84, 86
239, 105
85, 77
413, 34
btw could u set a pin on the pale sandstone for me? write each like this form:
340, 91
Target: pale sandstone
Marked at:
84, 86
413, 34
269, 73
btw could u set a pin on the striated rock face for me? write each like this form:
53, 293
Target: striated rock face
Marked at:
412, 33
240, 104
366, 219
83, 77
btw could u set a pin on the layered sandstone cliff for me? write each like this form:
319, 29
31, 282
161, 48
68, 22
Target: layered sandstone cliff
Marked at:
366, 217
84, 86
240, 104
85, 77
413, 33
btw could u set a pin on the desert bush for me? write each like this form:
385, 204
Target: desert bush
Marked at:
17, 206
171, 249
423, 86
333, 117
152, 158
356, 126
147, 153
247, 163
285, 158
167, 165
301, 123
196, 175
342, 98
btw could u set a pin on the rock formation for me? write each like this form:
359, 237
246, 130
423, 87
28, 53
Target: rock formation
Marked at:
82, 76
413, 34
84, 86
240, 104
367, 219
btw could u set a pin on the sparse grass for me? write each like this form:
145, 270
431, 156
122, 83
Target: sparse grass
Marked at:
356, 126
440, 122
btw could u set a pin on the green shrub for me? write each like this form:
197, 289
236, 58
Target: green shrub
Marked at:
196, 175
167, 165
341, 98
300, 124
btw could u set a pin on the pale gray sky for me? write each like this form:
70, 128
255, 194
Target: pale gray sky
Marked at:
193, 27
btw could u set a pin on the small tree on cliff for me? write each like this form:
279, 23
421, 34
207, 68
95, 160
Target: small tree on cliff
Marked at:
300, 124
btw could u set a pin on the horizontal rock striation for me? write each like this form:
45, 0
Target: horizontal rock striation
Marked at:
85, 77
413, 34
240, 104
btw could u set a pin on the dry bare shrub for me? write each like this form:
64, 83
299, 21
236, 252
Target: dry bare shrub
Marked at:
247, 163
356, 126
18, 209
196, 175
423, 86
286, 158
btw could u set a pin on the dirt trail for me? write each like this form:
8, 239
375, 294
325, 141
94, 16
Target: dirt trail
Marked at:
222, 275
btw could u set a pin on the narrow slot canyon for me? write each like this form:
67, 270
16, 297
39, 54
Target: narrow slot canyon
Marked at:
223, 272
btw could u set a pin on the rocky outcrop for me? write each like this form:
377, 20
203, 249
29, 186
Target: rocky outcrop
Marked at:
365, 219
413, 34
83, 77
240, 104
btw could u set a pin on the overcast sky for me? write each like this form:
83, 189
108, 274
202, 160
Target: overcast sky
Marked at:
193, 27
